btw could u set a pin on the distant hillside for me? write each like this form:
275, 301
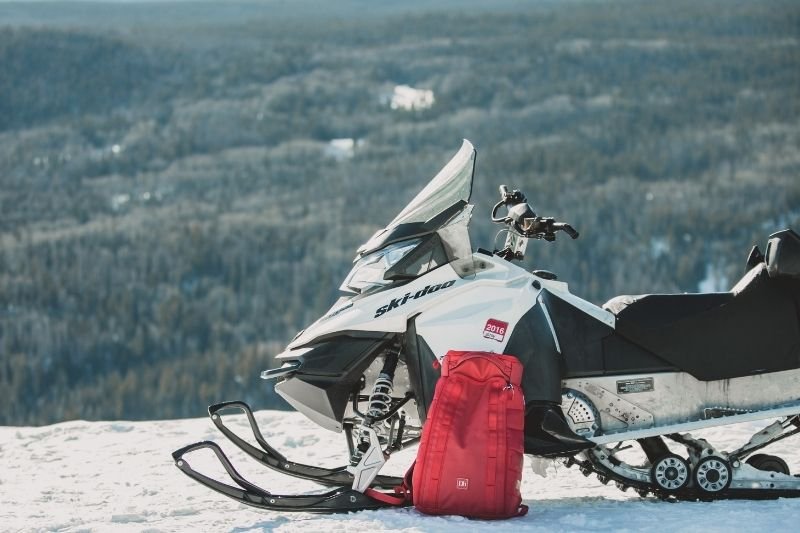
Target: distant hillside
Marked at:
173, 210
49, 75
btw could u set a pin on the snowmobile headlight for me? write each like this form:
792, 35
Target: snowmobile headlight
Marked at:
368, 271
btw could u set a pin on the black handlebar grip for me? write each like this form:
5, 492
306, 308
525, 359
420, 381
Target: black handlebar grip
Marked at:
569, 230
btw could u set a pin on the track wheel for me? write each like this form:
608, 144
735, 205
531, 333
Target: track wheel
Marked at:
670, 473
768, 463
712, 475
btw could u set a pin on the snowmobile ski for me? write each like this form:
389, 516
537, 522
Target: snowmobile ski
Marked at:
271, 458
339, 500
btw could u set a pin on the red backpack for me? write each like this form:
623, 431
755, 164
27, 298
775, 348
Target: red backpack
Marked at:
469, 461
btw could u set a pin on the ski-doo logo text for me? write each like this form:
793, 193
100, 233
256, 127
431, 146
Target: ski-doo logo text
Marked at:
397, 302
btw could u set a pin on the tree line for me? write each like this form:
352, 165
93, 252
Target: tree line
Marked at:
169, 216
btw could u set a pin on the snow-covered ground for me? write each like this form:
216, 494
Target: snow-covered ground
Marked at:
119, 476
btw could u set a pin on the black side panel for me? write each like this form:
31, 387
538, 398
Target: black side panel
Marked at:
579, 335
337, 336
320, 389
588, 348
421, 373
620, 356
756, 331
532, 343
336, 356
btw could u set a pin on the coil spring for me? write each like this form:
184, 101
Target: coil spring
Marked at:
380, 401
381, 398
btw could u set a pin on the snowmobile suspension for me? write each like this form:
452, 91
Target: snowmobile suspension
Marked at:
380, 403
707, 474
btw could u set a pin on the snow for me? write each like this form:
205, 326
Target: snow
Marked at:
119, 476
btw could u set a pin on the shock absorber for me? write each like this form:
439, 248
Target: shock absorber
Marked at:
380, 401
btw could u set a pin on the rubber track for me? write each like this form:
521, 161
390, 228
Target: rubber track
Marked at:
605, 476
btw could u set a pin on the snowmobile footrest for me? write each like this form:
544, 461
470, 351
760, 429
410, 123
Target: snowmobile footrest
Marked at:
340, 500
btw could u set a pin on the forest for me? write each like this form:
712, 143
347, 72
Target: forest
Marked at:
173, 209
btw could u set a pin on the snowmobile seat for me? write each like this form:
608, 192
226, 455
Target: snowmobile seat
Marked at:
655, 309
752, 329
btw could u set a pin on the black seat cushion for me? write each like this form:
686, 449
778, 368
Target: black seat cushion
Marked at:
750, 330
651, 310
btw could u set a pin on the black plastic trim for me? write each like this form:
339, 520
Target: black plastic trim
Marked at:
422, 375
403, 232
532, 342
329, 372
580, 336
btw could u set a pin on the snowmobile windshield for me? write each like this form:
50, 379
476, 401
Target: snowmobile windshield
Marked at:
441, 201
429, 232
451, 187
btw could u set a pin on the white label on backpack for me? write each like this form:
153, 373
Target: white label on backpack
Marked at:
462, 483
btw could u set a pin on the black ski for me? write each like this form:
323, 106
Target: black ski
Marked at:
340, 500
271, 458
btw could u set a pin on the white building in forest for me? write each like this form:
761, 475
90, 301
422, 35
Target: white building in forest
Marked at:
408, 98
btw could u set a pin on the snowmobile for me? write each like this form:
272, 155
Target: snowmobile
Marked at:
639, 372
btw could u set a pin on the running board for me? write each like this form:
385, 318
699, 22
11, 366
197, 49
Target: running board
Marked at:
655, 431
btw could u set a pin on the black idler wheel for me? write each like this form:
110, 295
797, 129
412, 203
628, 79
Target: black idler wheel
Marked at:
713, 475
671, 473
768, 463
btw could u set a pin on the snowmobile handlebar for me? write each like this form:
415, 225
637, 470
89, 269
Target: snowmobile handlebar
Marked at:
566, 228
523, 220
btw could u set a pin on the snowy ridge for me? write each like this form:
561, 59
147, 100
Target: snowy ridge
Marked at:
119, 476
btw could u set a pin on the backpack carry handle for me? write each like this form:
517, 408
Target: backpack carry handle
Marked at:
509, 367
